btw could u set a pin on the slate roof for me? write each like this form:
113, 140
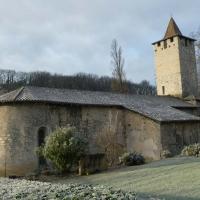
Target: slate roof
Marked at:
159, 108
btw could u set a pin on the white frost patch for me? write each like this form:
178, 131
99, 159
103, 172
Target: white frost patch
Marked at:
34, 190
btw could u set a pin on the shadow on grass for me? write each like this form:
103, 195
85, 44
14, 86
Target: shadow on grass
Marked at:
173, 162
161, 163
146, 196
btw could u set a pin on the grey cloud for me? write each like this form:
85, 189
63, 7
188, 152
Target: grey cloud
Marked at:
70, 36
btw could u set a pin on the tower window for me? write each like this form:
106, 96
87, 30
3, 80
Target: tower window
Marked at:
165, 44
171, 39
163, 90
158, 44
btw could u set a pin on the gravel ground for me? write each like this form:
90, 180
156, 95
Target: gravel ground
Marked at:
11, 189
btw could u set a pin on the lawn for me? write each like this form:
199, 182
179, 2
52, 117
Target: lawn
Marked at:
170, 179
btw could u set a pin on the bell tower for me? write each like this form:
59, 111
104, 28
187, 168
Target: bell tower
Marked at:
176, 72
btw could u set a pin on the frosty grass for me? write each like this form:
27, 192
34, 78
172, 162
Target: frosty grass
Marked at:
35, 190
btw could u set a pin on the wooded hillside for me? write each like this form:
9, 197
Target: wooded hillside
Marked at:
10, 79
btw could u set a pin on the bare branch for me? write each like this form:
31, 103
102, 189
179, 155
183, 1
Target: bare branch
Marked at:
119, 76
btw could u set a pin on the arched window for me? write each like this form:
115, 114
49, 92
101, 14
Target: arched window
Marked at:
41, 140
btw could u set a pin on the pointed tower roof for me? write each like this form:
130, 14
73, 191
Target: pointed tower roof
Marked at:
172, 29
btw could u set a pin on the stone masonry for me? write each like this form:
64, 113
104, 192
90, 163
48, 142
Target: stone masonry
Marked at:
176, 72
19, 131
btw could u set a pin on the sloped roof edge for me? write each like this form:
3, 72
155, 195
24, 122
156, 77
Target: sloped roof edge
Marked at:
156, 108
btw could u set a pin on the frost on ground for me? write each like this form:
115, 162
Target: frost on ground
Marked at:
35, 190
11, 189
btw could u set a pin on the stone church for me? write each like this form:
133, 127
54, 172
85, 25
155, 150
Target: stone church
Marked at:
145, 124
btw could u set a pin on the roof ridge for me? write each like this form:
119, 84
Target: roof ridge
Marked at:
79, 90
18, 93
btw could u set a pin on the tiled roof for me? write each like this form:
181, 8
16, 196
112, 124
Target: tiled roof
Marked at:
155, 107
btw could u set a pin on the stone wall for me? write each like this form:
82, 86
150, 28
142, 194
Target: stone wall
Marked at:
20, 123
143, 135
188, 67
168, 72
174, 136
176, 72
4, 139
19, 127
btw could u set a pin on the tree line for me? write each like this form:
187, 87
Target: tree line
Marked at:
11, 79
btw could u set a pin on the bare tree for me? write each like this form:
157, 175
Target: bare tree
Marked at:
111, 145
197, 46
119, 76
196, 35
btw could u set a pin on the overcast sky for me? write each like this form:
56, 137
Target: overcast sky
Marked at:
71, 36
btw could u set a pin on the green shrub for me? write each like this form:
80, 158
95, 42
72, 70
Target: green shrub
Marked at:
191, 150
63, 148
130, 159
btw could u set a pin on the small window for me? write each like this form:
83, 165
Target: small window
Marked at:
171, 39
165, 44
163, 90
158, 44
